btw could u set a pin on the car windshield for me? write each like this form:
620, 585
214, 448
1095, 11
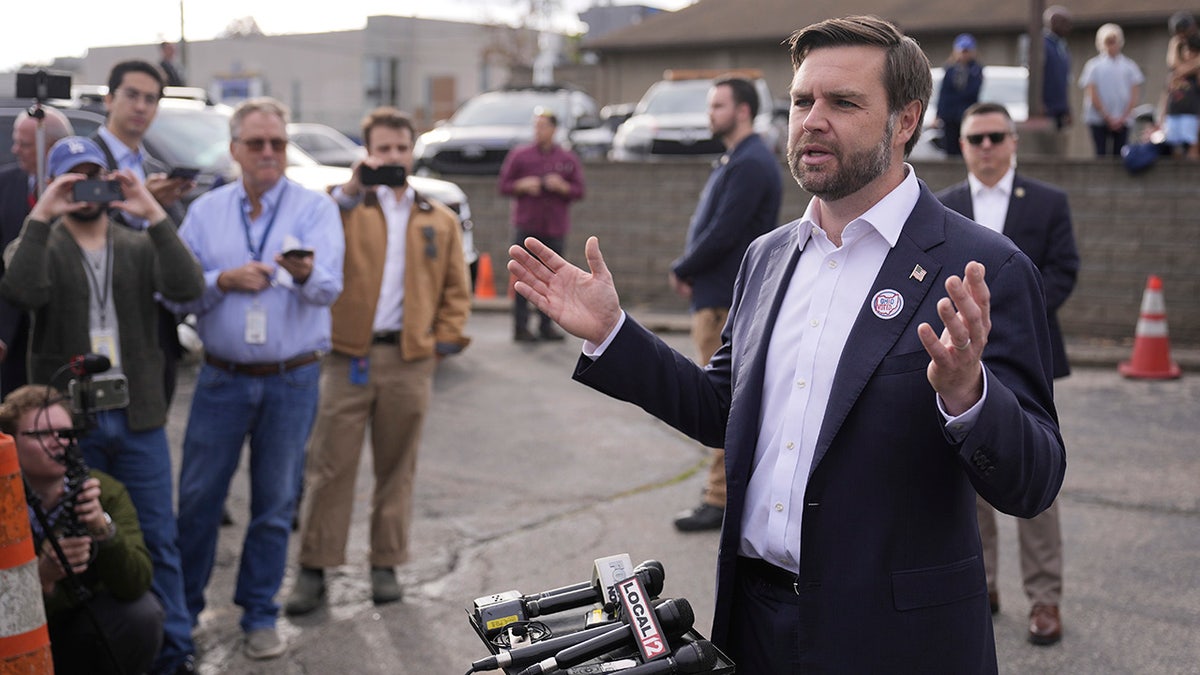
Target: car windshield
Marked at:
505, 109
196, 138
677, 97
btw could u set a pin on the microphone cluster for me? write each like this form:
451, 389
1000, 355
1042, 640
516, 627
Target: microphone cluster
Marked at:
626, 629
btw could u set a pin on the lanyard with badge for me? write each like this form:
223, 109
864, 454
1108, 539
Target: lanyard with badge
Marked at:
256, 316
103, 338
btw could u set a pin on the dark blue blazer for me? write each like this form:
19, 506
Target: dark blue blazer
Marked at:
890, 547
14, 206
740, 202
1039, 223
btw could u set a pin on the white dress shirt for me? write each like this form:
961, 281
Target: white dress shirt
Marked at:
389, 312
990, 204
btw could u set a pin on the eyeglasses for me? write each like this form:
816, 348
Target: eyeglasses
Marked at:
133, 96
257, 144
65, 435
996, 137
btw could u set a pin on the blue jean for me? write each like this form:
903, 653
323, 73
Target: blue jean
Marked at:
276, 412
142, 461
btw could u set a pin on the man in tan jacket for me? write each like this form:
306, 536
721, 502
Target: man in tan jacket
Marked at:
405, 302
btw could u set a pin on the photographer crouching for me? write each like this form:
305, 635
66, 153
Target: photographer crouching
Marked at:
95, 524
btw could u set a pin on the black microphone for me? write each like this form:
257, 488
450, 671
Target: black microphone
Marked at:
651, 577
524, 656
676, 617
89, 364
694, 657
582, 585
530, 654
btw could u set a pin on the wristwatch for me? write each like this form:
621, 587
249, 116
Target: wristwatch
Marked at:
110, 529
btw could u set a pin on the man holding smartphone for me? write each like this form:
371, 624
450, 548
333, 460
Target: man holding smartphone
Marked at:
404, 306
264, 321
72, 269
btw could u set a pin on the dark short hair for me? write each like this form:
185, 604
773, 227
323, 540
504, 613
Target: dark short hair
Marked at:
1180, 21
116, 76
743, 92
386, 116
906, 70
990, 108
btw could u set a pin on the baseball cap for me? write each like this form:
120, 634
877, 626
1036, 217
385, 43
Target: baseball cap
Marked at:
72, 151
964, 41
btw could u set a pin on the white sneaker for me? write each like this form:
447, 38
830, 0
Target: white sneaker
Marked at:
264, 643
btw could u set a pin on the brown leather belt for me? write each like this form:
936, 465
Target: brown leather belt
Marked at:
757, 568
263, 369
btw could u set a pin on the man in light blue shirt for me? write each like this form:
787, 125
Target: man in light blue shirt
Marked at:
271, 251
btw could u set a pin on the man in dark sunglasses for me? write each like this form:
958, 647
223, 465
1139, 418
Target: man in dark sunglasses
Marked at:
271, 250
1037, 218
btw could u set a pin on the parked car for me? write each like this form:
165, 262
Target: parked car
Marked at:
671, 120
83, 122
1007, 85
479, 135
597, 143
325, 144
190, 133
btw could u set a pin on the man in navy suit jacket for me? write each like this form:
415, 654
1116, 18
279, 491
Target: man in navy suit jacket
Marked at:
1038, 220
856, 435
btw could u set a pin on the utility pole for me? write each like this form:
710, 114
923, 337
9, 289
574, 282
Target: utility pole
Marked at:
1037, 59
183, 55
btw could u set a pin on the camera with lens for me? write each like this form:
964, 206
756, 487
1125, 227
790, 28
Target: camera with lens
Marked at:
97, 393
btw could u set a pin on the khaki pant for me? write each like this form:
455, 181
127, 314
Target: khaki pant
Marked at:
1040, 539
706, 336
394, 401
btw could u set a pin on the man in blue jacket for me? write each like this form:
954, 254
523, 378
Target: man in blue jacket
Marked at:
856, 434
740, 201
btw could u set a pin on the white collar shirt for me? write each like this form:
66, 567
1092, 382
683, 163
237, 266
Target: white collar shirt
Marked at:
990, 204
389, 311
822, 301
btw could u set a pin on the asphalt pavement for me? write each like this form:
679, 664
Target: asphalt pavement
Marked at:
526, 477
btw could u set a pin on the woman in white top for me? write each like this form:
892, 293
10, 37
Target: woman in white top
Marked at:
1112, 83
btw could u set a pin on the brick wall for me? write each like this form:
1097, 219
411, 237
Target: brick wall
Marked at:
1126, 227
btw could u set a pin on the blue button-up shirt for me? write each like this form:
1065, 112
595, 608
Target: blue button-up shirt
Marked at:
297, 315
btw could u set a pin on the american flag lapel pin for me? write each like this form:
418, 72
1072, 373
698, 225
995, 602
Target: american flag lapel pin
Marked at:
918, 273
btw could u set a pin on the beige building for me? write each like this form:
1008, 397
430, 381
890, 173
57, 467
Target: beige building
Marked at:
426, 67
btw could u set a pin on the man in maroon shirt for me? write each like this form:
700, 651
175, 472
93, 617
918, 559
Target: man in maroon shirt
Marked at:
543, 178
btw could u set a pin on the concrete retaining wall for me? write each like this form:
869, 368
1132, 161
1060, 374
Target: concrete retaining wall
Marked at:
1127, 227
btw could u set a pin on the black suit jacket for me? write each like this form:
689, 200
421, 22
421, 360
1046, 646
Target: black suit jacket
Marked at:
890, 552
14, 324
1039, 223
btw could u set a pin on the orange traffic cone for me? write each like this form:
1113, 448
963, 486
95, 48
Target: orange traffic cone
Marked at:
1151, 358
24, 640
485, 281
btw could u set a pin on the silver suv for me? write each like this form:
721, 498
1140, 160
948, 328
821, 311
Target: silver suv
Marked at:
671, 120
478, 137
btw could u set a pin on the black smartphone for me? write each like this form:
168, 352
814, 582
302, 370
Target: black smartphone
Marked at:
391, 175
298, 253
184, 172
97, 191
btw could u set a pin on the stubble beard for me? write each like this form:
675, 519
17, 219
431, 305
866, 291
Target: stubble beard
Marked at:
854, 171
